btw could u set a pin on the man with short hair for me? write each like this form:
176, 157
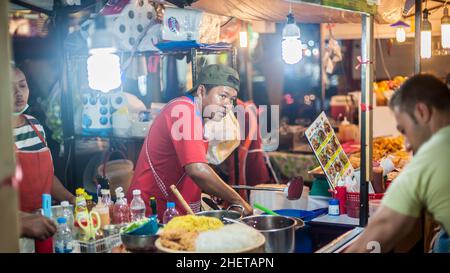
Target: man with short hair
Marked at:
174, 152
422, 110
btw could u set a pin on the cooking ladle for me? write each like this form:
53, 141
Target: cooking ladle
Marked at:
293, 190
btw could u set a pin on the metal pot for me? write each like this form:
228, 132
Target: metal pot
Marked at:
220, 214
278, 230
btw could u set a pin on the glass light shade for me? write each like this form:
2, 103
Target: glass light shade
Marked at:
425, 44
400, 34
104, 71
291, 50
445, 29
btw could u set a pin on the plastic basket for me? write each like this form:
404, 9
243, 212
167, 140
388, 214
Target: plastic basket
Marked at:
104, 245
353, 203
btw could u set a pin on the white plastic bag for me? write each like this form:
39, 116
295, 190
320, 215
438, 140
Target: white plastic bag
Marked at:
223, 138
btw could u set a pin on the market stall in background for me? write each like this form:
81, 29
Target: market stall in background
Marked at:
329, 67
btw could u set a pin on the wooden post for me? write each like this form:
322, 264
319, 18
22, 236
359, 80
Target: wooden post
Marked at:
9, 225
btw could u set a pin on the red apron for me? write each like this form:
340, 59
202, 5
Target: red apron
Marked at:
38, 174
190, 191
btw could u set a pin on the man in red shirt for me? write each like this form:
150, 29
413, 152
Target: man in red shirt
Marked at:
174, 151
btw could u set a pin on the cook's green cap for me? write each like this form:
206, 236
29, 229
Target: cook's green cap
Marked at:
217, 74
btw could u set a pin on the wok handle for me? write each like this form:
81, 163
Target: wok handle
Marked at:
256, 188
237, 206
181, 199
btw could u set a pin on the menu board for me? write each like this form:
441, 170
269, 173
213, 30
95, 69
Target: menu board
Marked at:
328, 150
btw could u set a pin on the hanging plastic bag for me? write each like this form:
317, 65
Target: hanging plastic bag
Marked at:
223, 138
52, 106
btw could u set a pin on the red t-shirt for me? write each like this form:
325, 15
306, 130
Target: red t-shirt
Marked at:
175, 140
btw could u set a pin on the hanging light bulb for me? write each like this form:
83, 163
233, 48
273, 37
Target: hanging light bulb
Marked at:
400, 32
291, 45
445, 29
103, 64
425, 36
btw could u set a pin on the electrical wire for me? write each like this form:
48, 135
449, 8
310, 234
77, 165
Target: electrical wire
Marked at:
382, 56
68, 161
229, 20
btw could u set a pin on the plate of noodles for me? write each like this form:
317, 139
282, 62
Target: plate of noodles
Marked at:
190, 234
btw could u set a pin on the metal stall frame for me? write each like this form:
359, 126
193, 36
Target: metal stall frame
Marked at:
366, 99
366, 105
366, 126
71, 137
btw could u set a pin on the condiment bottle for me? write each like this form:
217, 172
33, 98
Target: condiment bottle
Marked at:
347, 132
333, 207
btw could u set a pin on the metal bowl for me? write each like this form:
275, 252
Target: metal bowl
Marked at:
111, 230
228, 213
139, 243
220, 214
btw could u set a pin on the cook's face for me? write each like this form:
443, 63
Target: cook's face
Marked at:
20, 90
415, 133
218, 101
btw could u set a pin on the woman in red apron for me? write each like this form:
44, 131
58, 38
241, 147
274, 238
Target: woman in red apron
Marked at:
33, 155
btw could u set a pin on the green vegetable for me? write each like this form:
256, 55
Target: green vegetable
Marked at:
135, 225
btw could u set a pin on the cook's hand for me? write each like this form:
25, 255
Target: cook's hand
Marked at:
248, 210
36, 226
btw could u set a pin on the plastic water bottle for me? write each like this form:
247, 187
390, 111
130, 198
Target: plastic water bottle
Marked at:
106, 200
170, 212
63, 238
137, 207
117, 191
68, 214
121, 212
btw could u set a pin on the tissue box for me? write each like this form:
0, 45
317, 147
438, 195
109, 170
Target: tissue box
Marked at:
181, 24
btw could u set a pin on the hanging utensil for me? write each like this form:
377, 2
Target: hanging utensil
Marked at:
293, 190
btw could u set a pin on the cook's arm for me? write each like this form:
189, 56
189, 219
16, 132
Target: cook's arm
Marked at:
36, 226
60, 193
211, 183
386, 228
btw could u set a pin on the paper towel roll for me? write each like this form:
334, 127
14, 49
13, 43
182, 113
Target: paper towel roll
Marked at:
119, 100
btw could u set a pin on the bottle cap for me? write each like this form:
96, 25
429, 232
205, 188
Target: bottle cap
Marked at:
345, 121
118, 189
170, 205
61, 220
65, 203
333, 202
136, 192
79, 191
